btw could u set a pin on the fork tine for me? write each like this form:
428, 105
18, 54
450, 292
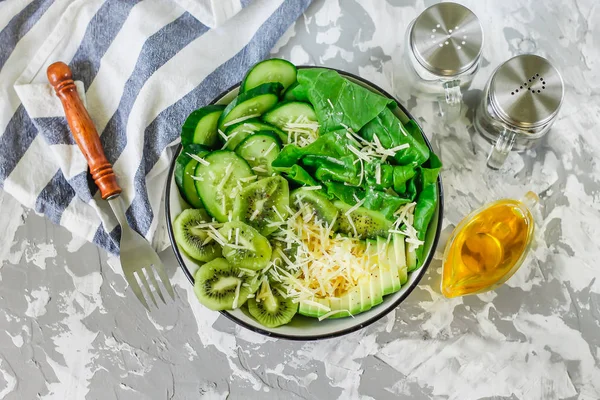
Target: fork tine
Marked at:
150, 272
142, 277
160, 270
135, 287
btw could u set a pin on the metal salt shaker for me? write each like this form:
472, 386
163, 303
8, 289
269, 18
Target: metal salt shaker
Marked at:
443, 51
520, 103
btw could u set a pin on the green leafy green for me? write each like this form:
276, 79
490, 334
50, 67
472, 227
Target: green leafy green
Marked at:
402, 173
390, 176
345, 193
339, 102
384, 202
327, 158
391, 133
424, 210
333, 169
386, 174
376, 200
296, 92
298, 175
332, 144
429, 174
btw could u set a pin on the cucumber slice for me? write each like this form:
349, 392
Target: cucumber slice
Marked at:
240, 131
254, 102
201, 126
311, 201
273, 70
185, 167
293, 111
259, 150
264, 204
244, 246
217, 182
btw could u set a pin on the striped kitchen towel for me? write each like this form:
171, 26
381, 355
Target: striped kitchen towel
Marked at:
143, 66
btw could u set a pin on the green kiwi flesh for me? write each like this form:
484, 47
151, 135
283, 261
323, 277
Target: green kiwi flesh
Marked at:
217, 282
191, 236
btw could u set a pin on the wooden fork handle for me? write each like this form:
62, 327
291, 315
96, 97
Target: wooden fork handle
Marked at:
83, 130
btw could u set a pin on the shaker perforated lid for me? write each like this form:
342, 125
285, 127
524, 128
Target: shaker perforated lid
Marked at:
526, 91
446, 39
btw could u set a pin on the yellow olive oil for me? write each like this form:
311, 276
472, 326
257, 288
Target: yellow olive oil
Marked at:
487, 247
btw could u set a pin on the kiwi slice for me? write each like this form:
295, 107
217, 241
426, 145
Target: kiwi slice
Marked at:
289, 250
263, 204
244, 246
270, 307
315, 203
368, 223
192, 237
221, 286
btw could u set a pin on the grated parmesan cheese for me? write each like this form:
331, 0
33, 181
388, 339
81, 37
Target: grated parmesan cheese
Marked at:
406, 217
248, 178
228, 172
312, 187
235, 121
330, 313
254, 214
237, 294
223, 135
216, 238
271, 147
351, 222
402, 128
199, 159
316, 304
355, 207
301, 131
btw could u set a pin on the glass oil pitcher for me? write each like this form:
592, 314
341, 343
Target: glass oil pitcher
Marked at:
520, 103
443, 51
488, 246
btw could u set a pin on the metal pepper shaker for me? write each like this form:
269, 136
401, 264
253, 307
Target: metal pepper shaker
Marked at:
443, 52
521, 101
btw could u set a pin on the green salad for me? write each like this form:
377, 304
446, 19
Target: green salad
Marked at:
307, 196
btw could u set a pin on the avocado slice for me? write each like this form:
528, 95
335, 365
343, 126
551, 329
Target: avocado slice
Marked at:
310, 310
399, 250
350, 301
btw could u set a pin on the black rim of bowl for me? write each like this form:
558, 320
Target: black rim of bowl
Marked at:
421, 271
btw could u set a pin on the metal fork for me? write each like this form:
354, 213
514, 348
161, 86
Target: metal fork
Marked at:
138, 258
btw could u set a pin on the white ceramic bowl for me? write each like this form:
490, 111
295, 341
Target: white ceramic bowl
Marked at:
304, 328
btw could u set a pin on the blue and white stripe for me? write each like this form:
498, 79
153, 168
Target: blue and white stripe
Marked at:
143, 66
